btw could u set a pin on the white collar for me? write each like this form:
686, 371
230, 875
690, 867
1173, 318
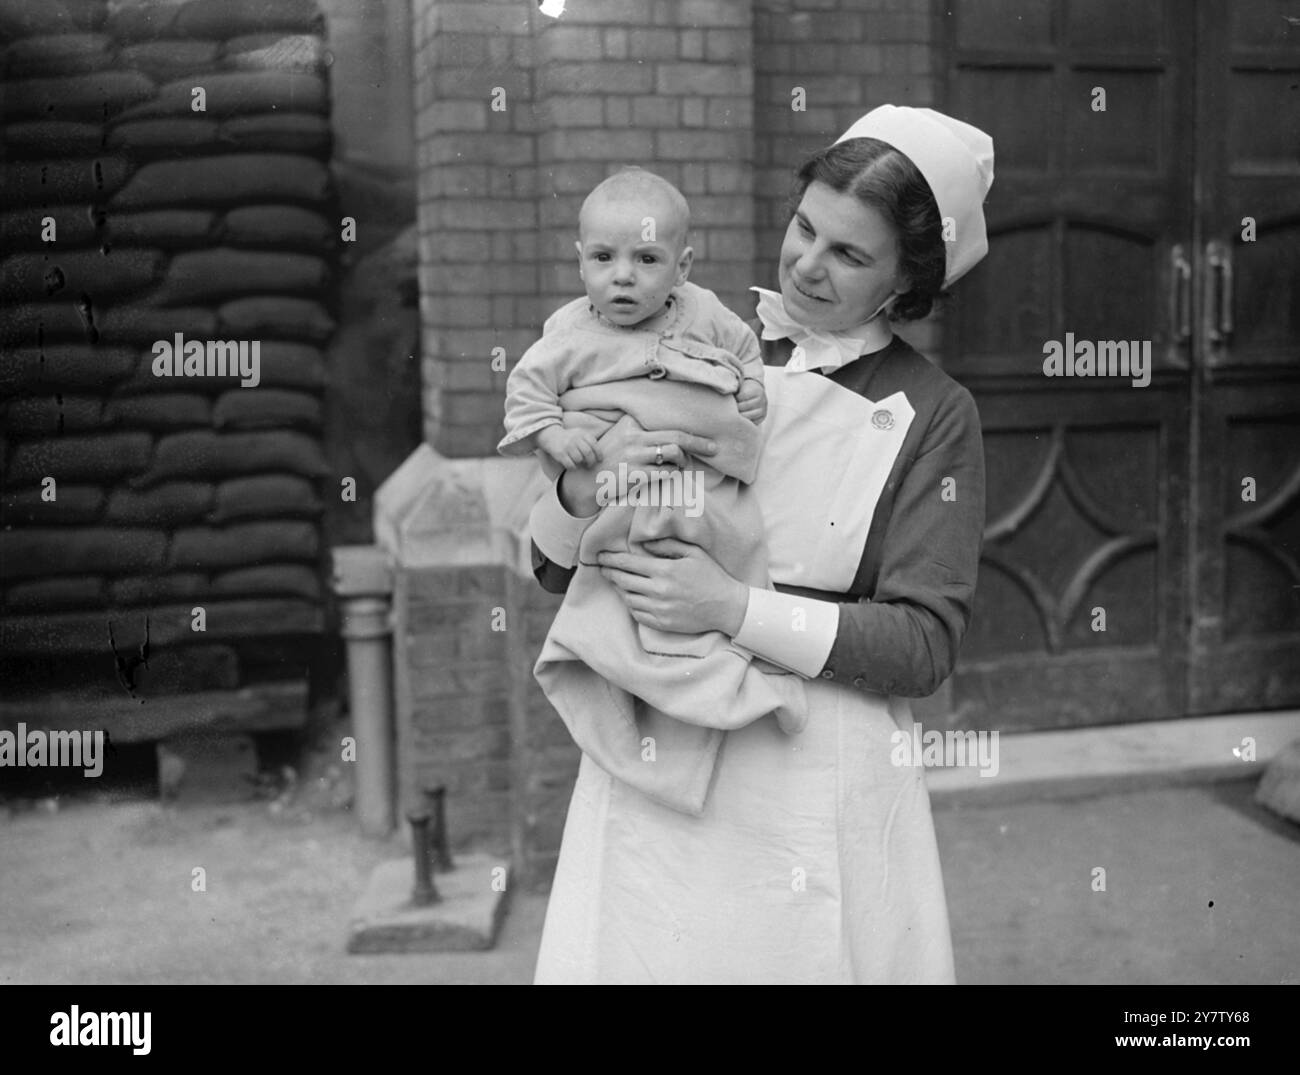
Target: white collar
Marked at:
819, 350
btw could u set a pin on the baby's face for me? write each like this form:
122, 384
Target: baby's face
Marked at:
631, 254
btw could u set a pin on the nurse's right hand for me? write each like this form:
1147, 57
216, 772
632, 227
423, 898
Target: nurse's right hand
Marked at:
655, 452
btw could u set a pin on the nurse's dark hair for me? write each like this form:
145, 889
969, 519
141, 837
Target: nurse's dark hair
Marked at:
881, 177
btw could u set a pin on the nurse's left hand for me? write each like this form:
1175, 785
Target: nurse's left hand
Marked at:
676, 586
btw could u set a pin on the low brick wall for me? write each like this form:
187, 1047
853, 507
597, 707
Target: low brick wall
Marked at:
459, 732
474, 720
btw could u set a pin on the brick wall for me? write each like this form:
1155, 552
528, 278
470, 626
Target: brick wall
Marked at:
847, 58
668, 86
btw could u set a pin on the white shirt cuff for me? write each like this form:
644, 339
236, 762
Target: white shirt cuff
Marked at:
787, 630
556, 532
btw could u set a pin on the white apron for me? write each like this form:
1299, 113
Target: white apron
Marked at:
815, 858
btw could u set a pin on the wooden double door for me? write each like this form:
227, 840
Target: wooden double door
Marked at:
1142, 552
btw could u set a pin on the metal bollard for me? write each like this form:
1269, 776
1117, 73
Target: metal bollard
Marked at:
424, 892
436, 798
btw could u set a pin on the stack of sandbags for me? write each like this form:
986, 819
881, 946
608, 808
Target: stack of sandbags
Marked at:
176, 157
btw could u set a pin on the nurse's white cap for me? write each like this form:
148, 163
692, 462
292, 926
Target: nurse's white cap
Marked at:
955, 159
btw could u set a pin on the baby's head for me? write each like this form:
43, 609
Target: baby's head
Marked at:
632, 245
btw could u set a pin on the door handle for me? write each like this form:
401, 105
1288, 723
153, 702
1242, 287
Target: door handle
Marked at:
1180, 295
1218, 291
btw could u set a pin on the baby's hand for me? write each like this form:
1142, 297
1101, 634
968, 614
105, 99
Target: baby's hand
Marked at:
752, 400
571, 448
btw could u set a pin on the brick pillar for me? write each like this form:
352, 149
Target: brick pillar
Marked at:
477, 211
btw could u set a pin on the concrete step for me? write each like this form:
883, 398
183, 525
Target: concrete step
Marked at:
1089, 761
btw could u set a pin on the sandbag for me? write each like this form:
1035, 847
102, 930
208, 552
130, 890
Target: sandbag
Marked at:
33, 552
275, 317
37, 325
234, 18
22, 18
137, 323
229, 179
158, 589
47, 139
183, 669
211, 456
21, 229
295, 580
275, 132
167, 505
236, 93
243, 544
145, 382
63, 367
208, 275
100, 457
76, 179
57, 54
265, 495
55, 595
160, 227
65, 272
167, 60
279, 52
73, 504
165, 410
79, 225
278, 226
90, 96
52, 415
292, 365
267, 408
164, 136
143, 20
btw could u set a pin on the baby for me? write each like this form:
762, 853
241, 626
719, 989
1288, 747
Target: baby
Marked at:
640, 318
648, 348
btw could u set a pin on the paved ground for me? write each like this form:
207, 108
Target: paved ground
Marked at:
1200, 886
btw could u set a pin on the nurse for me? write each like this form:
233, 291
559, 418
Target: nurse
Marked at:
814, 860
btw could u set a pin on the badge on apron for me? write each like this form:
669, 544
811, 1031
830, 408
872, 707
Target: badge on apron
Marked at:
882, 419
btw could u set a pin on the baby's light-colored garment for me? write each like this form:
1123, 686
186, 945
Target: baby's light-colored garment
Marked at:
650, 706
695, 339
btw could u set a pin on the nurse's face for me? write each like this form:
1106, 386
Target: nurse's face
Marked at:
839, 261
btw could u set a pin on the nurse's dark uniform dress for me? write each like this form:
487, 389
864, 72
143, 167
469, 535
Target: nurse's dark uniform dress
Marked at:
815, 859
